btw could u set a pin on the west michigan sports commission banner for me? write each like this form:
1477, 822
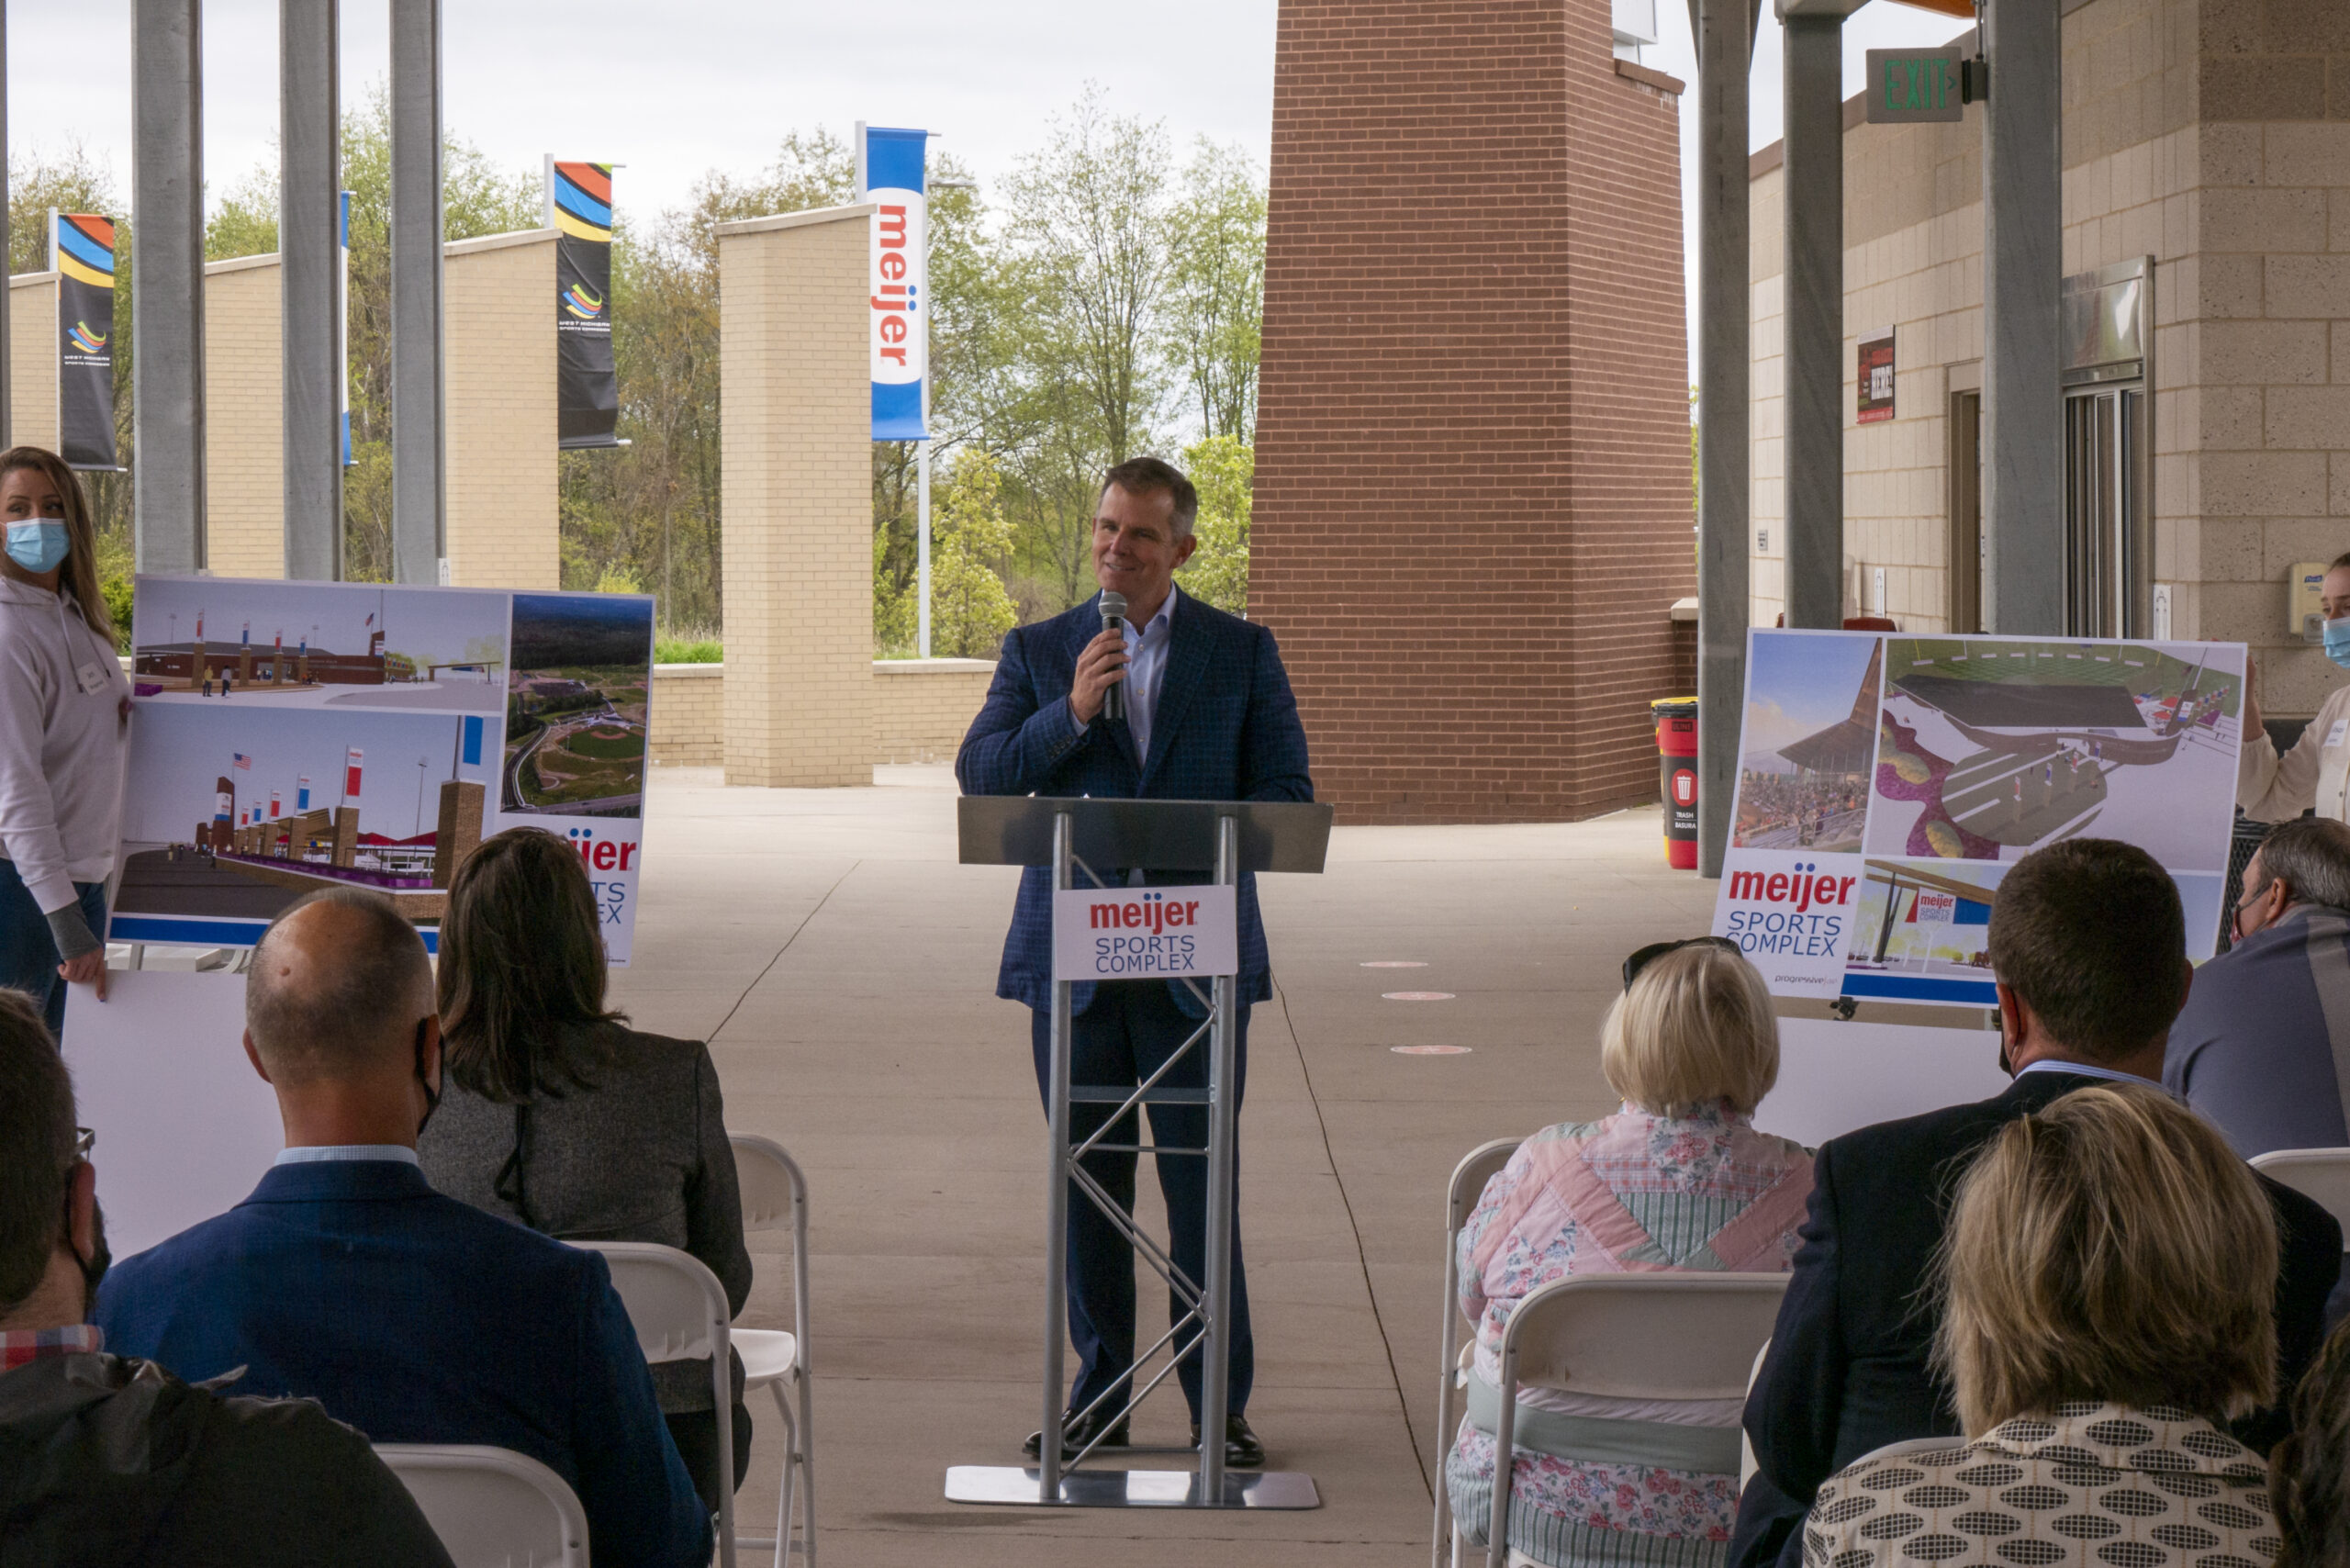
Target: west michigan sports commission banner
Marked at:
891, 170
1885, 783
82, 253
287, 736
588, 397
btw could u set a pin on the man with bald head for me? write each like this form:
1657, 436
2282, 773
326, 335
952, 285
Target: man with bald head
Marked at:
347, 1279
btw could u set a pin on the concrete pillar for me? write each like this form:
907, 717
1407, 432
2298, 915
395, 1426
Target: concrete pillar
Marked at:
346, 837
2023, 400
418, 545
309, 222
244, 439
458, 832
1813, 278
32, 358
167, 327
1725, 38
798, 500
502, 494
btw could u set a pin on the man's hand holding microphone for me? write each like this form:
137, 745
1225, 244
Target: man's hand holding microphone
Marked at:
1101, 668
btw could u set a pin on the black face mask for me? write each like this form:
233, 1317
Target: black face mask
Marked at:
431, 1096
93, 1268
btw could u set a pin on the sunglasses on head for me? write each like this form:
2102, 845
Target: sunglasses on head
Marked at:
1642, 957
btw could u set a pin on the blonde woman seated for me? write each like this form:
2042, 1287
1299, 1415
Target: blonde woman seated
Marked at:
1677, 1179
2107, 1285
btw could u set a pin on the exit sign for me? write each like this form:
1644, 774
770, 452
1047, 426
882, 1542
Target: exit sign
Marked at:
1906, 86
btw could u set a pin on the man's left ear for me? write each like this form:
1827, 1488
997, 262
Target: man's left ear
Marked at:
1184, 547
82, 1212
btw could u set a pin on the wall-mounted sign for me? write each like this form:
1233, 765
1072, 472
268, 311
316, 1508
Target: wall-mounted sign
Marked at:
1876, 377
1906, 86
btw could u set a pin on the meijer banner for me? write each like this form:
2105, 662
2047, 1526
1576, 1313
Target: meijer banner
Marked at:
80, 248
1145, 933
889, 164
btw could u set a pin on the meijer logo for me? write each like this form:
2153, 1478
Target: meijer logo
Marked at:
1804, 913
1144, 933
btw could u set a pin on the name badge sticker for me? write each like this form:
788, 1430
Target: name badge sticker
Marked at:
2341, 727
90, 679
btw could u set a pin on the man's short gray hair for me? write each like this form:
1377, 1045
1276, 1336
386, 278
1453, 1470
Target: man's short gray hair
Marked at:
2312, 856
1152, 475
338, 1019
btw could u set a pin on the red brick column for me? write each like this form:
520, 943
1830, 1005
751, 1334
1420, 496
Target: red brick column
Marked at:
1472, 509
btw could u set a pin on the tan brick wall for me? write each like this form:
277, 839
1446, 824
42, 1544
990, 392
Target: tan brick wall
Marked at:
688, 715
2198, 132
32, 359
503, 504
1473, 507
797, 498
244, 424
921, 709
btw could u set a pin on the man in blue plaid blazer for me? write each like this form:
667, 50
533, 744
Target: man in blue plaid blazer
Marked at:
1209, 717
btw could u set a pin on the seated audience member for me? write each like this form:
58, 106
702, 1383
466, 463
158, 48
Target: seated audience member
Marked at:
1677, 1179
2088, 950
2310, 1472
557, 1116
106, 1461
2262, 1045
346, 1279
2104, 1312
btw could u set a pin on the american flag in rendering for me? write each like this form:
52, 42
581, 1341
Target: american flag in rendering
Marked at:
243, 761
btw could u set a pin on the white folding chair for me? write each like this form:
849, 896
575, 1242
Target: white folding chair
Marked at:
2322, 1174
1460, 1194
775, 1194
492, 1507
1747, 1466
1677, 1335
679, 1310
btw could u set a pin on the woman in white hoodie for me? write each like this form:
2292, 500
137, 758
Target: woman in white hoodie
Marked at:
65, 707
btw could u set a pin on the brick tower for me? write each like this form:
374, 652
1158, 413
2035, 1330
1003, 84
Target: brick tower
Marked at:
1473, 499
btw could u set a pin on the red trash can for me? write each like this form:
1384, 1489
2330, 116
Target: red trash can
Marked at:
1676, 746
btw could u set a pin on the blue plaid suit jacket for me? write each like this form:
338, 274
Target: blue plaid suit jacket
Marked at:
1225, 729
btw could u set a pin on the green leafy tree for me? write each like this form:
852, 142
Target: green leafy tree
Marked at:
1223, 468
1213, 314
970, 607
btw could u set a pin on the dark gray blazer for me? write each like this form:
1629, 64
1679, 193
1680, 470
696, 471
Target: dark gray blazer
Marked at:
640, 1156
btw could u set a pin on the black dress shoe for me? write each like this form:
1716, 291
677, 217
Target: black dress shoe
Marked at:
1076, 1435
1241, 1449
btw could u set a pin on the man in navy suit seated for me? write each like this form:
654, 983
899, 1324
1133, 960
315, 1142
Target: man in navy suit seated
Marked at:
1209, 717
345, 1278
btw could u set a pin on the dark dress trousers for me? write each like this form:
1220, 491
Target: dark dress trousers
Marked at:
1847, 1370
420, 1319
1226, 728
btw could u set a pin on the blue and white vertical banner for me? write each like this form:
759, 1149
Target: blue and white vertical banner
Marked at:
889, 175
343, 322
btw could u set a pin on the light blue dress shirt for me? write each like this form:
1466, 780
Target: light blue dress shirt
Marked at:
311, 1154
1145, 666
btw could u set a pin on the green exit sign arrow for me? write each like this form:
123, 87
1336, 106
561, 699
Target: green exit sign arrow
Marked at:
1906, 86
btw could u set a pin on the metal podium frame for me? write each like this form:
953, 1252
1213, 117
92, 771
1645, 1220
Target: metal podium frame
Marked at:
1225, 837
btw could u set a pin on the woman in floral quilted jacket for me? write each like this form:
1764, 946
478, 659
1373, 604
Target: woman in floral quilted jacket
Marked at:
1677, 1179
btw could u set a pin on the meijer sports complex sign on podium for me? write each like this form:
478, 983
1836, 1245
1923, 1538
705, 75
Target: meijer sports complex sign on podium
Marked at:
1145, 933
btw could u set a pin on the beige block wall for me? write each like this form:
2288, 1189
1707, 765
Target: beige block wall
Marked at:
921, 709
2248, 222
32, 359
244, 424
797, 498
503, 505
688, 715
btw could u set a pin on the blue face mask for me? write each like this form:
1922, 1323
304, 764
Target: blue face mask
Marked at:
38, 543
2337, 642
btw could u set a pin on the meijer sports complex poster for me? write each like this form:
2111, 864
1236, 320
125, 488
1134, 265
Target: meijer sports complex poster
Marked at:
1885, 782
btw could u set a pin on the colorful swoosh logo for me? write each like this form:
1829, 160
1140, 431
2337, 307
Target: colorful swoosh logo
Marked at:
86, 340
580, 302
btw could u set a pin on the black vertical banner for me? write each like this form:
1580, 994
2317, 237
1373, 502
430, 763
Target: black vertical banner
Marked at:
83, 249
587, 393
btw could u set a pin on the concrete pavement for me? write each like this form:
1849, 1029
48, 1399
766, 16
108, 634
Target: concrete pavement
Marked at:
843, 967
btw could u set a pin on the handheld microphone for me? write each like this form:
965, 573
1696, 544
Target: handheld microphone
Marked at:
1114, 619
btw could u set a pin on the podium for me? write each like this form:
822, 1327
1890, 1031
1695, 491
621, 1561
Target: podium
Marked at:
1075, 836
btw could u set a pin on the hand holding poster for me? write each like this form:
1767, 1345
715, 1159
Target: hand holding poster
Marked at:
1887, 781
433, 717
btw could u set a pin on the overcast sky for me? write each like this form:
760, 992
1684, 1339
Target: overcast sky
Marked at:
671, 89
